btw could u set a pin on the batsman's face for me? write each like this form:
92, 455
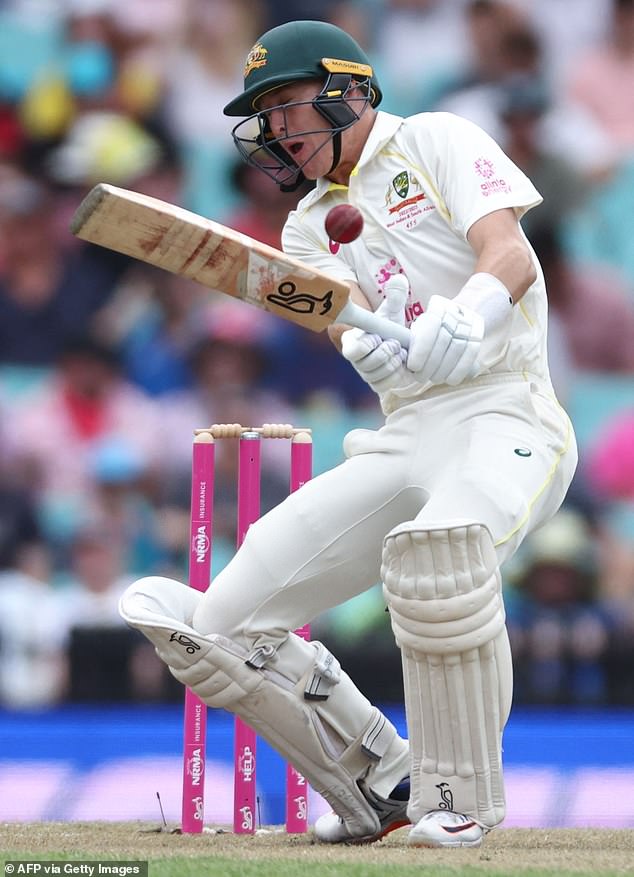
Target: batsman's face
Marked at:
302, 132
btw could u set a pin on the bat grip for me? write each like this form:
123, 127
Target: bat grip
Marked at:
355, 315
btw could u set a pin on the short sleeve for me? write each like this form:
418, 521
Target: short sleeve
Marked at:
471, 173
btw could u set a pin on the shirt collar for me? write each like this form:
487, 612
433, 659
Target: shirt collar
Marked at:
385, 127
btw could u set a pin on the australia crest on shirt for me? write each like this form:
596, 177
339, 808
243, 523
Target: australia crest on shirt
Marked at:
405, 200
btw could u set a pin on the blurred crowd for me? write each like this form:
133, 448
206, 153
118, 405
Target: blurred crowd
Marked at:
107, 366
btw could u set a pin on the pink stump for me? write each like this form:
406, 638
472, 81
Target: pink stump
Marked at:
296, 786
195, 724
245, 738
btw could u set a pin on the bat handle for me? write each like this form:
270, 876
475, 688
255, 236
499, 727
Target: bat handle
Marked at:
355, 315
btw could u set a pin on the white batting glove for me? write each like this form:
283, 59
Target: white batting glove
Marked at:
381, 363
445, 343
447, 338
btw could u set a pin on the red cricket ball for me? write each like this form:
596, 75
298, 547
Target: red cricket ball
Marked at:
344, 223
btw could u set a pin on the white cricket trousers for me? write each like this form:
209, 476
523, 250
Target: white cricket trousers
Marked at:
500, 451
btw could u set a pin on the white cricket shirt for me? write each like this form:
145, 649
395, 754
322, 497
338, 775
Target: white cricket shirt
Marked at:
420, 184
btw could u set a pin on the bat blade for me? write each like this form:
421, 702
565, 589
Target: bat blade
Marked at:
177, 240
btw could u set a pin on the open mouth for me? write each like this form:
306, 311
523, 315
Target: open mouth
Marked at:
294, 148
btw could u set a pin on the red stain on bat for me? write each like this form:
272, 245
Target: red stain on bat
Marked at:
190, 259
266, 282
218, 257
148, 245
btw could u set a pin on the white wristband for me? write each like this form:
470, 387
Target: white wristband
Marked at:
489, 297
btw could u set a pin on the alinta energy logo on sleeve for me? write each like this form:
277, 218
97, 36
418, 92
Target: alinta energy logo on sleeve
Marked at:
485, 168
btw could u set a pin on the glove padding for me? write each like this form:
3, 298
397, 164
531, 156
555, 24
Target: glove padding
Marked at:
381, 363
446, 341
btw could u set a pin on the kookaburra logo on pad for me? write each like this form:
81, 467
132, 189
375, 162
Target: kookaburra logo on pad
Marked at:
182, 639
299, 302
446, 795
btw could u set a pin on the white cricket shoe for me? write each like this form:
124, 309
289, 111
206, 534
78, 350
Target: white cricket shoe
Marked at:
392, 813
443, 828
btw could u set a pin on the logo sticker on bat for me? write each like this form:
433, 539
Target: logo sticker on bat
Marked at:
299, 302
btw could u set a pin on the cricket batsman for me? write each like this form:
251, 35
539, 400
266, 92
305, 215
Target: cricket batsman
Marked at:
475, 452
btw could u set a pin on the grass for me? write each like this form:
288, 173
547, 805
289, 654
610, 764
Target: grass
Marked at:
505, 853
230, 868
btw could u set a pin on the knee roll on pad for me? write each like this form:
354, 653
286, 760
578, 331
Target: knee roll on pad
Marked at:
293, 694
443, 590
163, 609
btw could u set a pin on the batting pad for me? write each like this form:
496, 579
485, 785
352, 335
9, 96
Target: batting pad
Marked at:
293, 694
443, 590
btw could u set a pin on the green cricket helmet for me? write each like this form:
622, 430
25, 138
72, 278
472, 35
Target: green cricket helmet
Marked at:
294, 52
300, 50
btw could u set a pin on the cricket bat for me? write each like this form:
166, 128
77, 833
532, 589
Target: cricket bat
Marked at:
221, 259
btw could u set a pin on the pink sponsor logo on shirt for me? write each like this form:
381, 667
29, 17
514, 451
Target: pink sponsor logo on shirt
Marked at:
413, 308
385, 271
485, 168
